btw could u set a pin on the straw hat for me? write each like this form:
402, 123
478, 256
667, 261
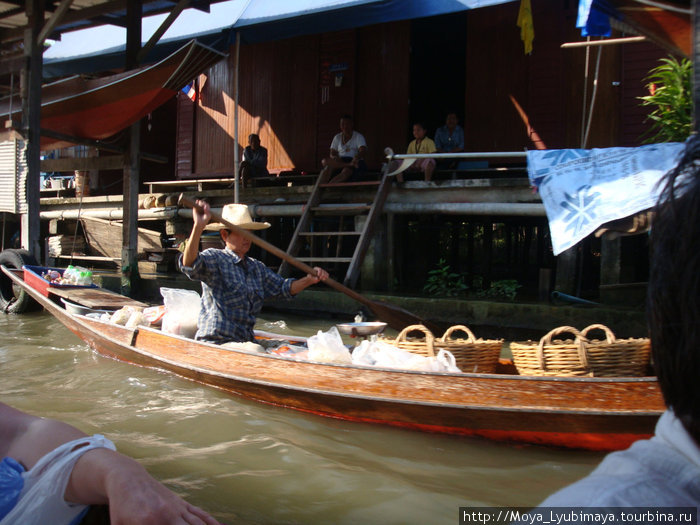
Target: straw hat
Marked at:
239, 215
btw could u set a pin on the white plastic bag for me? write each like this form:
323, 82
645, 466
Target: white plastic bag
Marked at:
328, 347
383, 355
41, 500
122, 315
181, 311
135, 319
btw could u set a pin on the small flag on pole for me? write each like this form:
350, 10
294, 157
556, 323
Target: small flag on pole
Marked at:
527, 28
190, 91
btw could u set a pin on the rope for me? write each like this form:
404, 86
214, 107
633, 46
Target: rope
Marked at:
593, 95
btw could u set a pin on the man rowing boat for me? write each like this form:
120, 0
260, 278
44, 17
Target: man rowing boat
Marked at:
234, 285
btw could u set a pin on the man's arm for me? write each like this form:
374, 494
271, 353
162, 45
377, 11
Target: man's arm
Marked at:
200, 222
311, 279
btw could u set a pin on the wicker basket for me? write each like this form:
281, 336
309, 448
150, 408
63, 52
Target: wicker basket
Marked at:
472, 355
552, 357
617, 357
418, 345
581, 356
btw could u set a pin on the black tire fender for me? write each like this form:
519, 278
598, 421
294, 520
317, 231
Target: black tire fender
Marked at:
14, 299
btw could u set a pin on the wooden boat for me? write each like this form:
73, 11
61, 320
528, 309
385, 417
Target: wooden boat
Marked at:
586, 413
97, 108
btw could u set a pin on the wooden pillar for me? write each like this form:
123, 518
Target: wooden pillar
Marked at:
390, 252
129, 267
610, 261
31, 125
374, 266
696, 65
566, 271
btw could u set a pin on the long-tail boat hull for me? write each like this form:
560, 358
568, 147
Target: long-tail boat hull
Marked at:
585, 413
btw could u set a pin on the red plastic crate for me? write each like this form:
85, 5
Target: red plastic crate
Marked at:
32, 276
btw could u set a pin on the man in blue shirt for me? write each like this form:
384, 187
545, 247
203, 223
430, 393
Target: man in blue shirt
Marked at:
450, 137
234, 286
254, 161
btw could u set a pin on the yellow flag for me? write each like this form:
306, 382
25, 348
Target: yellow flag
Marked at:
527, 29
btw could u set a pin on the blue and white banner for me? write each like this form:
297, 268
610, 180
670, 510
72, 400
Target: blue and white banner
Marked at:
582, 189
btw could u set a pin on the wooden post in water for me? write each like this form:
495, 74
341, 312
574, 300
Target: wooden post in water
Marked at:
129, 263
31, 124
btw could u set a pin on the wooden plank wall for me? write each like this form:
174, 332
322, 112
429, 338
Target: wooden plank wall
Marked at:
214, 121
549, 83
382, 90
289, 97
184, 136
282, 99
638, 59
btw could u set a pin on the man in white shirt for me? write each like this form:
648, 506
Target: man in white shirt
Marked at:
663, 471
346, 161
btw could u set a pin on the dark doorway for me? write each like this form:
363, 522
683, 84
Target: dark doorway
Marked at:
438, 76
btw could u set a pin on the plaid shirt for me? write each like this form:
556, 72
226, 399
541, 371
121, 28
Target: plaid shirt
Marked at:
233, 291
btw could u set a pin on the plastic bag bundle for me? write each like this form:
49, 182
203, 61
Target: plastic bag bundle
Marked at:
328, 347
122, 315
135, 319
384, 355
181, 311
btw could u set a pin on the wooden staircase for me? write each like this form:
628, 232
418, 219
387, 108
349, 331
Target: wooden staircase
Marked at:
325, 237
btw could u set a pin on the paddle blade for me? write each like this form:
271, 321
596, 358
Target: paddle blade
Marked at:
397, 317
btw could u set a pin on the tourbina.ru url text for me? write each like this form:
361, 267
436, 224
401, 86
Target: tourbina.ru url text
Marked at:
576, 515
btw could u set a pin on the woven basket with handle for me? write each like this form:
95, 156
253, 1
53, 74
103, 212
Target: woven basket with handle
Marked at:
582, 356
471, 354
614, 357
552, 357
423, 345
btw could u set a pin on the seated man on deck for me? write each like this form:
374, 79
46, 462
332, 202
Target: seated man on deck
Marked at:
449, 139
234, 285
420, 144
346, 161
254, 162
663, 471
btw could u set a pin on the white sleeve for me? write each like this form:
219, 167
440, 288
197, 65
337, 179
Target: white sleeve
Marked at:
41, 500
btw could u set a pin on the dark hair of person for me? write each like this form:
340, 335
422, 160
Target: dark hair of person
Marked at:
250, 137
673, 298
421, 124
346, 117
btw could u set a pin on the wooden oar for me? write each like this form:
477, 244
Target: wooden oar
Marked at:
394, 316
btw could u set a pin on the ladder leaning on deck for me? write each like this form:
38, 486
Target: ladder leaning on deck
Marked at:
316, 241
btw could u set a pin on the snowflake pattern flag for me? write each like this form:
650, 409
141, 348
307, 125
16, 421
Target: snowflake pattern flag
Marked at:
583, 189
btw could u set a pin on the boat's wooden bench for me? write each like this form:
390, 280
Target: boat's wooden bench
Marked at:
98, 298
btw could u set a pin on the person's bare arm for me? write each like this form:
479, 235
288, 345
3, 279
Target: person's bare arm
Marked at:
99, 476
201, 219
103, 476
311, 279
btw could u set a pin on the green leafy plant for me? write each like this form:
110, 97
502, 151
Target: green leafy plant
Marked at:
504, 289
443, 282
670, 96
